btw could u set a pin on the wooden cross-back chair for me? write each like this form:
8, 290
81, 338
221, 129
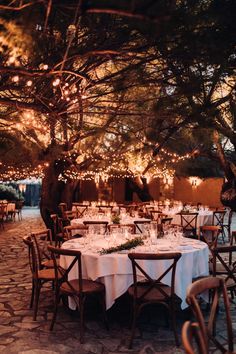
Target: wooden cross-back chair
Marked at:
3, 213
192, 338
74, 231
39, 276
218, 220
78, 288
189, 223
105, 208
129, 227
140, 223
224, 265
218, 290
155, 214
209, 234
153, 290
57, 229
103, 224
69, 215
42, 240
79, 209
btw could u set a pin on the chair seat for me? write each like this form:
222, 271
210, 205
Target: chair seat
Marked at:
89, 286
48, 263
46, 274
154, 294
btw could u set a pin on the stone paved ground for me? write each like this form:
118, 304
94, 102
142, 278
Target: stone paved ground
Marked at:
20, 334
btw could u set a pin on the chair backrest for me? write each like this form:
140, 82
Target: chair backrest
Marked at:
61, 274
41, 240
97, 223
233, 238
3, 208
155, 214
69, 215
62, 207
34, 261
189, 221
218, 217
57, 223
139, 269
129, 227
79, 209
224, 256
105, 208
192, 338
166, 220
210, 234
138, 224
77, 230
218, 288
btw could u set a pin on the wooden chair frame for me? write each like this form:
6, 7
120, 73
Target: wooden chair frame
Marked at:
137, 223
42, 239
145, 297
75, 288
39, 276
218, 220
78, 211
218, 288
191, 332
228, 265
103, 223
120, 226
67, 231
189, 222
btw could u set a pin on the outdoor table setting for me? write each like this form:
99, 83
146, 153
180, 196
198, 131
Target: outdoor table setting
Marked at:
204, 215
122, 218
104, 258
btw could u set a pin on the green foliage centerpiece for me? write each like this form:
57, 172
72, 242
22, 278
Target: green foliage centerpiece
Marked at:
116, 219
137, 241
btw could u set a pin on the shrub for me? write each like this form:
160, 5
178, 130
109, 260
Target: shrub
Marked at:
9, 193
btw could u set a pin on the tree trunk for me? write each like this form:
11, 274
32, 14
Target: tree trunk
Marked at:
228, 191
141, 188
54, 192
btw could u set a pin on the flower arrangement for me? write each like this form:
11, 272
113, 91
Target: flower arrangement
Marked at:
137, 241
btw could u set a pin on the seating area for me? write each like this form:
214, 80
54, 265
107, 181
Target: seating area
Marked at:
9, 211
117, 177
155, 305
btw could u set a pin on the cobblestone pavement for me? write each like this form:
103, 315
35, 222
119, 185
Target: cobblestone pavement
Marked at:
20, 334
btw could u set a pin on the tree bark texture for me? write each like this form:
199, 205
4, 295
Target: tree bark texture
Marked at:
228, 191
141, 188
54, 192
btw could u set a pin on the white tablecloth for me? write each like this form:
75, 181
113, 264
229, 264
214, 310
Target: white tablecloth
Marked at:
115, 272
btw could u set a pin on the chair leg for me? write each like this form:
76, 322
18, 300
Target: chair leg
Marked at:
103, 304
56, 302
173, 323
81, 310
36, 303
133, 326
32, 295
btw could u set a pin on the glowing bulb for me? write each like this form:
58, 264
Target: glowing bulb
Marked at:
11, 60
15, 78
29, 83
45, 67
56, 82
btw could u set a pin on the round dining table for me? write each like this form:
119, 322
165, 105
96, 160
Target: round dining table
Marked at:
114, 269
